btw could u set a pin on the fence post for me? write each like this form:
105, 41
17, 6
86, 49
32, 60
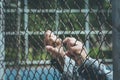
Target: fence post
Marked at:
2, 42
18, 76
116, 39
26, 28
87, 25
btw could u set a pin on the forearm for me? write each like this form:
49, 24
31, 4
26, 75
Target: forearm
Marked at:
70, 70
90, 69
67, 69
64, 64
97, 69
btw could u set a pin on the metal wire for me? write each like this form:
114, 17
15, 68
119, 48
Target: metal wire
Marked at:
24, 22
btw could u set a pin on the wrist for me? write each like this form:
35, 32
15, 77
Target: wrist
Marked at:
81, 60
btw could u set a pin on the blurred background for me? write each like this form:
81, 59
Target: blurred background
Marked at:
23, 23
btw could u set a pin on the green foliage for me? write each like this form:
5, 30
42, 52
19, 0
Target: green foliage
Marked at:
10, 54
40, 55
13, 55
72, 21
41, 22
67, 22
94, 52
98, 53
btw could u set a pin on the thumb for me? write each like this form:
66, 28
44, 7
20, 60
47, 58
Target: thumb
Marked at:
51, 49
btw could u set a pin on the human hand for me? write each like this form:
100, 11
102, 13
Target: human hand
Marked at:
75, 50
53, 44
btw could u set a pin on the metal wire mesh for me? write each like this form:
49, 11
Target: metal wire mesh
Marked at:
22, 28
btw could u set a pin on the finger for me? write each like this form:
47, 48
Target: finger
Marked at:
79, 50
66, 39
51, 49
76, 49
56, 39
52, 39
48, 32
69, 42
46, 39
72, 42
77, 45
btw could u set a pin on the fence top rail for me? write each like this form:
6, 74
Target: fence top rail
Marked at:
58, 10
57, 32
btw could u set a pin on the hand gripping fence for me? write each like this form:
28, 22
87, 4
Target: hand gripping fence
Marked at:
23, 24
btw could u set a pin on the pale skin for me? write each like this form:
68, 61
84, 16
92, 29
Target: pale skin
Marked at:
75, 50
54, 46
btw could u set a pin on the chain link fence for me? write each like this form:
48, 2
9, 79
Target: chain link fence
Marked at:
24, 22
